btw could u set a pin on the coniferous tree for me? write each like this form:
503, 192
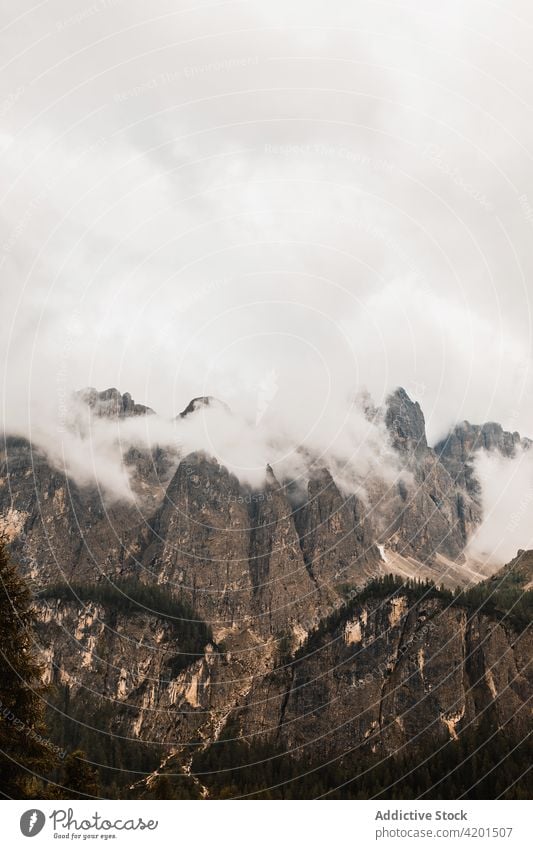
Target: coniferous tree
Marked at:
80, 778
25, 754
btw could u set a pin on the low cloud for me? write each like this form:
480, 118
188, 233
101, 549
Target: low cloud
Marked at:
94, 450
275, 204
507, 499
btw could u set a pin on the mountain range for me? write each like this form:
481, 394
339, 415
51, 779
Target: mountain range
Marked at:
205, 623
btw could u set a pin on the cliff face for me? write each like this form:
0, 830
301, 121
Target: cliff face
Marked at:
457, 452
245, 559
432, 512
287, 657
198, 541
187, 511
336, 534
124, 666
394, 672
110, 403
391, 670
58, 529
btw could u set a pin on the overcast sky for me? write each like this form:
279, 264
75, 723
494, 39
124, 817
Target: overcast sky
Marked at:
277, 203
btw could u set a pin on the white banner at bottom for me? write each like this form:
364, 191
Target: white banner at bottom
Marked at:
279, 824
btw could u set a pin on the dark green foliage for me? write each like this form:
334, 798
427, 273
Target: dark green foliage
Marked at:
91, 723
180, 661
25, 753
481, 764
87, 722
79, 778
504, 599
170, 786
284, 650
128, 596
386, 587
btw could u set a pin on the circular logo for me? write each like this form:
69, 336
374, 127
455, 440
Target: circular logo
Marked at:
32, 822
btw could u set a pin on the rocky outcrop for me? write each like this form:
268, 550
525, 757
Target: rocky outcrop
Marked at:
336, 536
392, 669
406, 424
457, 452
198, 542
427, 513
516, 575
201, 403
395, 671
70, 529
270, 574
286, 598
58, 529
124, 666
234, 554
111, 404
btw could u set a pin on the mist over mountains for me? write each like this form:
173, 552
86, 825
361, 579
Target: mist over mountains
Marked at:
289, 551
312, 604
227, 213
471, 490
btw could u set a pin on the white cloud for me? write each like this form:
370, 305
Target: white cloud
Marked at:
507, 526
196, 198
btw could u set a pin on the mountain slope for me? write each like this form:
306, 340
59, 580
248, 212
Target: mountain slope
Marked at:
303, 642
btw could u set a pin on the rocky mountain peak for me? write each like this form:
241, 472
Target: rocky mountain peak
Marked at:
252, 610
111, 403
517, 573
202, 402
405, 422
457, 451
466, 438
